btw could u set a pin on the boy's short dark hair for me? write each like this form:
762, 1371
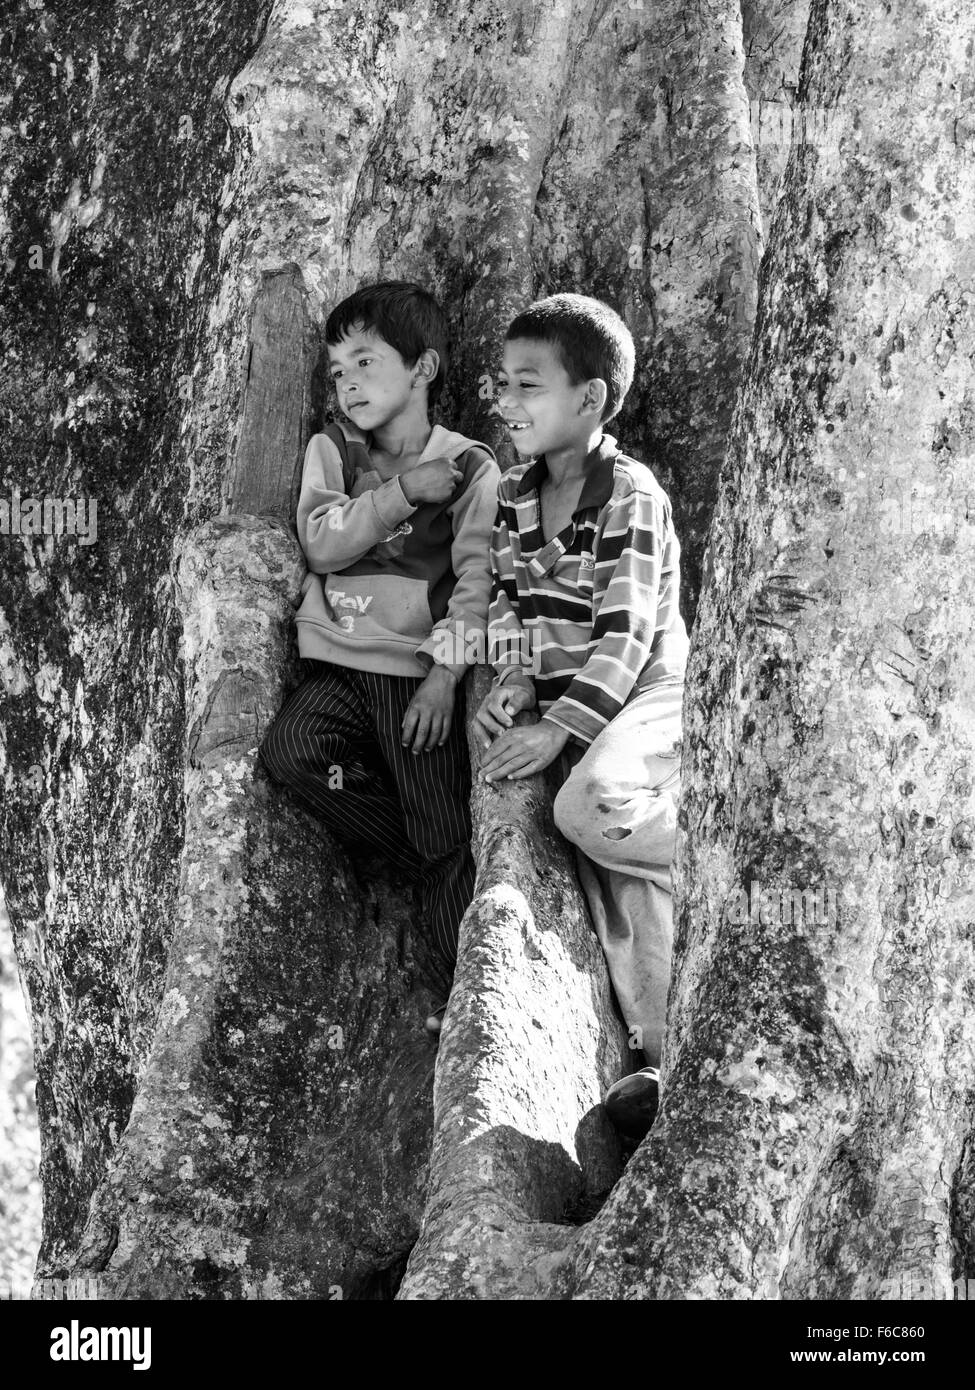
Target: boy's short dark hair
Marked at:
592, 340
406, 315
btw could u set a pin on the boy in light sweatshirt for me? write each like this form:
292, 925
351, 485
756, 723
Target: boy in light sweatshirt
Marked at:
395, 521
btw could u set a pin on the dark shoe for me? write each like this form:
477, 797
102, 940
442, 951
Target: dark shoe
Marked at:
631, 1103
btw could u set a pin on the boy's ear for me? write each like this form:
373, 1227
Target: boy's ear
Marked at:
426, 366
594, 400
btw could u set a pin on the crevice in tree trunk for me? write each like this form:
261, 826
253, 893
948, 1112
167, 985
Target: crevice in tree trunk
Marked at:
963, 1206
383, 1285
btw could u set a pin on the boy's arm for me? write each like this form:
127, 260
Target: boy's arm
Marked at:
630, 550
335, 529
471, 517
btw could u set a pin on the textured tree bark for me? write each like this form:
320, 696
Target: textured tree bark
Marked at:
522, 1151
114, 142
248, 1166
815, 1137
773, 34
234, 1086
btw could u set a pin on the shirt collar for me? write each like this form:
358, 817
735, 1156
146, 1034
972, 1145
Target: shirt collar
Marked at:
598, 485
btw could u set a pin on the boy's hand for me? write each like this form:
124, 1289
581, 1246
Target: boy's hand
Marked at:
430, 713
523, 752
433, 481
499, 707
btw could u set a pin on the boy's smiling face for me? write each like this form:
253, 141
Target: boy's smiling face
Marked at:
372, 381
537, 400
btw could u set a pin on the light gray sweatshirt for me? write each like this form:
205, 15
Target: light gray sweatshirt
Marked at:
392, 587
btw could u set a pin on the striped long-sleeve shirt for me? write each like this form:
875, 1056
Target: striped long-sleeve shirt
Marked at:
593, 613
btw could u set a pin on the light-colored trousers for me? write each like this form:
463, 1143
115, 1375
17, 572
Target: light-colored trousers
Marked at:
618, 806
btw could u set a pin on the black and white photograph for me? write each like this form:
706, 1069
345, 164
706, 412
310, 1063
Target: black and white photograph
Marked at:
487, 670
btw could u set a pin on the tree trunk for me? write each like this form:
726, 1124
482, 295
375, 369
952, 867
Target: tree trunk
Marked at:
235, 1091
816, 1133
773, 34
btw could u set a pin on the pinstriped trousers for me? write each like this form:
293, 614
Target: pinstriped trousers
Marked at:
336, 745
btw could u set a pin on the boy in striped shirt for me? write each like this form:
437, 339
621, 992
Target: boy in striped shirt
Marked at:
586, 576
